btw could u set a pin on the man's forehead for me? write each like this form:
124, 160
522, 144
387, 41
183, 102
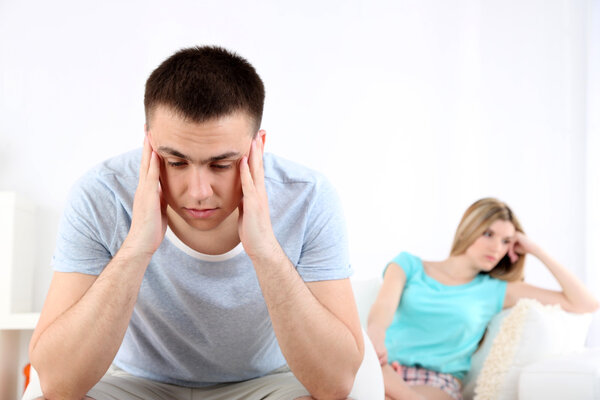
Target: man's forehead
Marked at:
165, 114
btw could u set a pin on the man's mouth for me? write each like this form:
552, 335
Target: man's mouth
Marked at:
200, 213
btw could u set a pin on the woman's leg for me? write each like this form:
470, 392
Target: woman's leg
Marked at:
396, 388
431, 393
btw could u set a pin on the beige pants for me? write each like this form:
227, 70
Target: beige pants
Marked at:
278, 385
119, 385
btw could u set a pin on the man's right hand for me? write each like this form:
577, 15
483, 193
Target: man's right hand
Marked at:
149, 219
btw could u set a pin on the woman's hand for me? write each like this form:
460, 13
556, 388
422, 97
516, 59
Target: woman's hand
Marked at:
377, 337
520, 246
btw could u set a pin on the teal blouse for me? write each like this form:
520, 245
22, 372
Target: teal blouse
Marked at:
437, 326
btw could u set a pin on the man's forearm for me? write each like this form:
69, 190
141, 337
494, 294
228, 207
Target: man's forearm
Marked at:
320, 349
75, 350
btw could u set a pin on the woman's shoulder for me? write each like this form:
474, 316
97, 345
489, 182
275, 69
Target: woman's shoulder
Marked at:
406, 257
408, 262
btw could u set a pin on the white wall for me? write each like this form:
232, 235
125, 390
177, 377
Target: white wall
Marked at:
414, 109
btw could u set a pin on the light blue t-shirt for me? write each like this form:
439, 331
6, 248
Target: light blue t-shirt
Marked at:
437, 326
201, 319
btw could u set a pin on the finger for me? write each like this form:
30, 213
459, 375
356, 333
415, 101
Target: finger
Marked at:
261, 170
512, 255
246, 177
154, 169
146, 155
163, 202
256, 163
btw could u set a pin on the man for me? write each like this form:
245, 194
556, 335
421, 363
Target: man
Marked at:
225, 276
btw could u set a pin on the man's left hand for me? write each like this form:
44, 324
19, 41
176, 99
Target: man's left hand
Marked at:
254, 224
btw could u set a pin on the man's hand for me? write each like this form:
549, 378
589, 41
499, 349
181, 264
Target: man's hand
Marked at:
254, 224
149, 219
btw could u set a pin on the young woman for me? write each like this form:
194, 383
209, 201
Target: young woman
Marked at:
429, 316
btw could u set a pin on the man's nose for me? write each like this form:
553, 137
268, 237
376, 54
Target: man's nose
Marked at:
199, 184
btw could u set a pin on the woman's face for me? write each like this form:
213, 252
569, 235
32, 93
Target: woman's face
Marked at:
487, 250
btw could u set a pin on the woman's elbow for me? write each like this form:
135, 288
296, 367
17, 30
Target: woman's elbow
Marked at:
594, 306
583, 308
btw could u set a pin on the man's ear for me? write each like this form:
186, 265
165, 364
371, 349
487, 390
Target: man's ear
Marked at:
261, 137
148, 135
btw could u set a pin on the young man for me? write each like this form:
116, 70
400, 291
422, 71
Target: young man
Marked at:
225, 271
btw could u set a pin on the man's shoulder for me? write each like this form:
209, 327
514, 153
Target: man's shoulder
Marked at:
283, 171
114, 177
122, 168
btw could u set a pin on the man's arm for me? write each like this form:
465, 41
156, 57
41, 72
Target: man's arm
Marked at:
316, 324
85, 317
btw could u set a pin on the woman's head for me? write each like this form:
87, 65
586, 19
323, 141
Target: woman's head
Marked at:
485, 232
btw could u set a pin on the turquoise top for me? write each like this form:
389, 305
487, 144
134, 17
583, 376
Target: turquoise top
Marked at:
437, 326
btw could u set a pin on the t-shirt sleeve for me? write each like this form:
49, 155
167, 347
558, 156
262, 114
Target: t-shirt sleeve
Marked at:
500, 288
407, 261
325, 253
86, 228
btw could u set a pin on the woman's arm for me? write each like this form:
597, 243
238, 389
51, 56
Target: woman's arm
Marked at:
574, 297
382, 311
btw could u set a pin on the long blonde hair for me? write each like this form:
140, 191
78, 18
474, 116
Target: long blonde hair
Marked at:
475, 221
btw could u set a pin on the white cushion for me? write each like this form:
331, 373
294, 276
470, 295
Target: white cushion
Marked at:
573, 376
365, 293
368, 384
527, 333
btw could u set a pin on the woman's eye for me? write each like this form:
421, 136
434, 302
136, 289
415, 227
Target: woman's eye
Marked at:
487, 233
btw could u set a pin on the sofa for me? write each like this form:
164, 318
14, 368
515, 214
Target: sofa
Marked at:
529, 352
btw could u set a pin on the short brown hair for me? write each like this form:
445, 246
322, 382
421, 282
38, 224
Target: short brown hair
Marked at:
203, 83
475, 221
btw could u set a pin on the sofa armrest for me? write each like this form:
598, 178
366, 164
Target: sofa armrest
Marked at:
571, 376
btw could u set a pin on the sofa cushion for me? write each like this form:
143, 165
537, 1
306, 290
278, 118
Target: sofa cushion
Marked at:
572, 376
518, 337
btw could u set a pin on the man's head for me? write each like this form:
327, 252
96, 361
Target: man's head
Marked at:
204, 83
203, 109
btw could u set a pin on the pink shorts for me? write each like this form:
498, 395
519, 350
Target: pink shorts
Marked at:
422, 376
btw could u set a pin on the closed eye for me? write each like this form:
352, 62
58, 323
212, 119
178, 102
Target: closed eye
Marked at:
176, 163
221, 166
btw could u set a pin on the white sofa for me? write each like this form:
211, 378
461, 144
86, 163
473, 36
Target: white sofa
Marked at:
530, 352
368, 384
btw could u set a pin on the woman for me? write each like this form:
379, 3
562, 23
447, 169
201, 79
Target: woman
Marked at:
429, 316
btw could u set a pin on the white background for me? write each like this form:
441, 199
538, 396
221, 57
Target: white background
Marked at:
413, 109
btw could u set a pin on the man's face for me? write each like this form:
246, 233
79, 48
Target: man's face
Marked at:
200, 177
